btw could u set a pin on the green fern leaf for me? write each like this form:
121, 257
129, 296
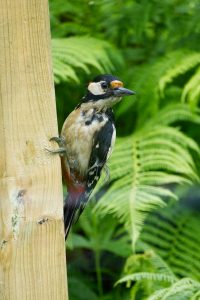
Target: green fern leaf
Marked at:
191, 91
182, 289
185, 60
146, 276
157, 156
151, 80
74, 53
174, 234
184, 286
140, 164
176, 112
158, 295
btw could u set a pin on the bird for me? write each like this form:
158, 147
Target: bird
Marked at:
86, 142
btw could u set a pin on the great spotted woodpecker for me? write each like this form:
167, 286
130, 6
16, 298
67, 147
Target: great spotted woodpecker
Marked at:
86, 142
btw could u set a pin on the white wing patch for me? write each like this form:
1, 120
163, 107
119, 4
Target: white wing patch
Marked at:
112, 142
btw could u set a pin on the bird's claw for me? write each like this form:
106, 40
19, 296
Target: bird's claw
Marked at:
61, 142
56, 151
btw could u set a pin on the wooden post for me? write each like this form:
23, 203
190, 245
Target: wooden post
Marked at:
32, 251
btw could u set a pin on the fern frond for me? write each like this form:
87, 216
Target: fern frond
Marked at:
151, 80
74, 53
185, 60
183, 286
147, 261
158, 295
182, 289
157, 279
178, 289
139, 166
174, 234
191, 91
176, 112
146, 276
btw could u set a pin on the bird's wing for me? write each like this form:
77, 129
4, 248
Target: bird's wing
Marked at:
103, 143
102, 147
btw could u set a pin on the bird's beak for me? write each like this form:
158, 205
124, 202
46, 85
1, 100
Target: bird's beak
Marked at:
120, 91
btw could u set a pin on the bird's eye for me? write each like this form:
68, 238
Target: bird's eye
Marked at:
104, 85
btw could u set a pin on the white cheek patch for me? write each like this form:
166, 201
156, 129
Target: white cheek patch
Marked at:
95, 88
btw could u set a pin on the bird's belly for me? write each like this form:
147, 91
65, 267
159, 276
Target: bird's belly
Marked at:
79, 149
79, 137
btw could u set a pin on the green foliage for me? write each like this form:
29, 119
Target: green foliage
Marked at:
191, 91
75, 53
108, 239
153, 79
179, 243
137, 233
141, 164
183, 289
169, 267
76, 285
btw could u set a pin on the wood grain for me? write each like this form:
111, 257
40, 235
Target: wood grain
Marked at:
32, 250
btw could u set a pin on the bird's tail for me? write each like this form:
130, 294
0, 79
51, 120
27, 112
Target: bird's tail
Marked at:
73, 207
69, 213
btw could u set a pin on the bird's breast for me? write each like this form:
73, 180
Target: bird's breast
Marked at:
78, 131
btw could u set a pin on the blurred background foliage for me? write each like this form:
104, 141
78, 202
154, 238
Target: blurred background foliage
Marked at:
139, 237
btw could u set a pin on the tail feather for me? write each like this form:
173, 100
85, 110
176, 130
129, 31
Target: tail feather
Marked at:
73, 208
69, 213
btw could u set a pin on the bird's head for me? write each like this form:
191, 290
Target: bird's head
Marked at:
105, 91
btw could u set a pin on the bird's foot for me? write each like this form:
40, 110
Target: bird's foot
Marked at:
60, 151
61, 142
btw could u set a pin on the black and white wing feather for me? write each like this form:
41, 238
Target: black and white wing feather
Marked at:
103, 143
102, 148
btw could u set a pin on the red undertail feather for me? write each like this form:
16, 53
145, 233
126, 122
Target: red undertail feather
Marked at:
72, 205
